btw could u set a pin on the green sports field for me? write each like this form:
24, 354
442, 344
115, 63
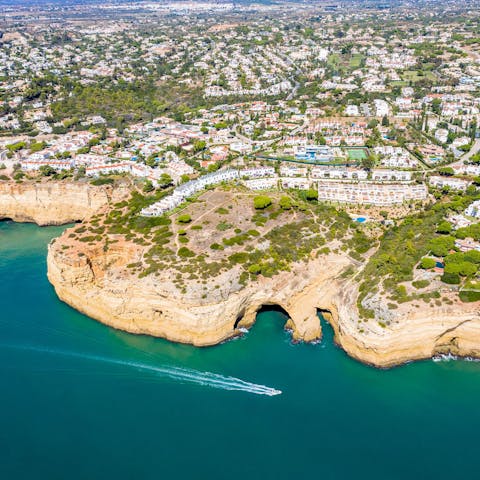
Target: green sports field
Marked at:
356, 153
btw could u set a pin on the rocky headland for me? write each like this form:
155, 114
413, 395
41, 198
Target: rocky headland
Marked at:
99, 285
103, 273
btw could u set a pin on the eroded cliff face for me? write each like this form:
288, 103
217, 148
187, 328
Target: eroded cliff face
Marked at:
95, 280
54, 203
417, 333
98, 284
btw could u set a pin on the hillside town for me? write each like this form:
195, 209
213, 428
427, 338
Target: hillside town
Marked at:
366, 115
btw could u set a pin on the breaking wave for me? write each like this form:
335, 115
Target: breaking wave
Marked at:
208, 379
448, 357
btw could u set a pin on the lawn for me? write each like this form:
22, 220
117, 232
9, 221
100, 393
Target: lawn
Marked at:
356, 60
414, 76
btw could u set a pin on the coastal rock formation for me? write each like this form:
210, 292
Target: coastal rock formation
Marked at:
54, 203
149, 305
417, 333
94, 278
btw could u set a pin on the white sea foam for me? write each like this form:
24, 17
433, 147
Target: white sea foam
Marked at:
449, 357
186, 375
444, 357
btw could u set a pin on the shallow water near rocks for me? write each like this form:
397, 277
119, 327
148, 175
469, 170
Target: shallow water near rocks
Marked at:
80, 400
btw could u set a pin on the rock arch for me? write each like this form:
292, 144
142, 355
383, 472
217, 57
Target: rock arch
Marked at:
304, 327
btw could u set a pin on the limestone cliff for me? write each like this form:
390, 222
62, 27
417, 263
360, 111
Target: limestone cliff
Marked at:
54, 203
152, 306
99, 285
94, 278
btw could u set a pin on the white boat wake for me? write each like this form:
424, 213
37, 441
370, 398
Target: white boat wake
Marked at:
186, 375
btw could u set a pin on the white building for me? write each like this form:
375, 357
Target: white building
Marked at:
293, 171
188, 189
257, 172
370, 193
381, 108
262, 183
473, 210
339, 173
441, 135
453, 183
301, 183
124, 167
391, 175
352, 111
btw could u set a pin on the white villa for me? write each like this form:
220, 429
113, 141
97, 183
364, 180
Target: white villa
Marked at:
473, 210
453, 183
301, 183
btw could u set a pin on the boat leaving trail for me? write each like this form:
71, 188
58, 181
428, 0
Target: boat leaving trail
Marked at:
208, 379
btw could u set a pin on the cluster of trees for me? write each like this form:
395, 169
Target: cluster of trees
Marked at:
15, 147
124, 102
457, 264
409, 244
260, 202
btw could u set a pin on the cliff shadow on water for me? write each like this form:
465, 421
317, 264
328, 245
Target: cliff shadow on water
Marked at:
328, 333
243, 322
277, 315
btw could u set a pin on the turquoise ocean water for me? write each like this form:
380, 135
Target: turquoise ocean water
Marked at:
79, 400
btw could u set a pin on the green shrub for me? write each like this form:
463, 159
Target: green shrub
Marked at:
444, 227
286, 203
421, 283
254, 269
466, 269
224, 226
472, 256
469, 296
427, 263
311, 194
185, 218
185, 252
102, 181
451, 278
239, 257
261, 201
